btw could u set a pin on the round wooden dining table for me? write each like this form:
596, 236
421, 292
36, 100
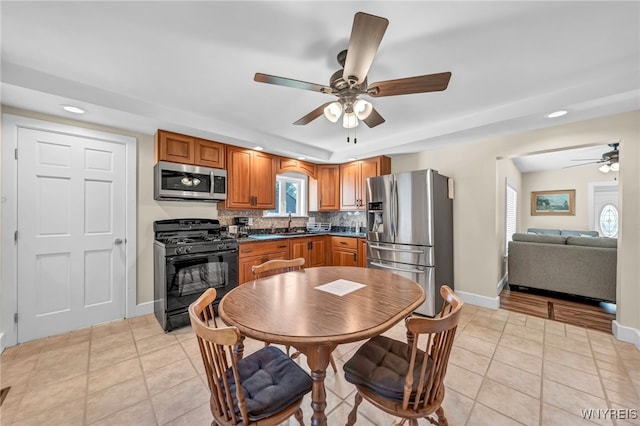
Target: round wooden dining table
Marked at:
316, 309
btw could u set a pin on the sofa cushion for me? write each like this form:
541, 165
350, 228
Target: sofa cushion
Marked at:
593, 242
568, 233
539, 238
543, 231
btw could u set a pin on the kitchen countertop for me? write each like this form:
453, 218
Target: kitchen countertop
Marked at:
268, 237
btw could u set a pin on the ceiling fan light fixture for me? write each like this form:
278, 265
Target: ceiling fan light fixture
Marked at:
333, 111
615, 167
350, 120
604, 168
362, 108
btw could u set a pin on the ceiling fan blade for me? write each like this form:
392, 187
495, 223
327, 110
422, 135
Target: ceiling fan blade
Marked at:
312, 115
288, 82
366, 35
405, 86
584, 164
373, 119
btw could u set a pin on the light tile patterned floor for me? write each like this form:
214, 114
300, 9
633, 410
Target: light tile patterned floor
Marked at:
505, 369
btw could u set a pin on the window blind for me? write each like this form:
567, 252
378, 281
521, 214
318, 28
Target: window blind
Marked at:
511, 211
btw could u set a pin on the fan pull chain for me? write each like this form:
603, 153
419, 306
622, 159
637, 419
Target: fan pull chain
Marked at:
355, 135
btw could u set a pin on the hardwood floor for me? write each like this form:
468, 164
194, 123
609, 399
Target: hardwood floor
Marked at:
571, 310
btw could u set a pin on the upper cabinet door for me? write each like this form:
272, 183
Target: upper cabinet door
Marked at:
239, 178
350, 184
251, 179
174, 147
209, 154
263, 180
328, 187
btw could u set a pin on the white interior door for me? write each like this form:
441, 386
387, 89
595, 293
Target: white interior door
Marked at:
71, 232
605, 214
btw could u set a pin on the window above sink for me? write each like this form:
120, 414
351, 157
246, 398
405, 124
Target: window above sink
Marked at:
291, 196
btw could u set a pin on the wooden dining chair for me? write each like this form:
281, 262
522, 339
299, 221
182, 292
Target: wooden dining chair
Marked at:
280, 266
262, 389
400, 378
277, 266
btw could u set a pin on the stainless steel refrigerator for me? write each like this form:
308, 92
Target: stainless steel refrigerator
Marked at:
410, 230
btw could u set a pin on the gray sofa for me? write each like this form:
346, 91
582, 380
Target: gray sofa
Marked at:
583, 266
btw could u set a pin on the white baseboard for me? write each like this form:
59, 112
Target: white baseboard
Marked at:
503, 282
144, 309
626, 334
477, 300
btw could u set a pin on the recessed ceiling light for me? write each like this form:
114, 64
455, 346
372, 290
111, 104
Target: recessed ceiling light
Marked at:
258, 148
351, 159
73, 109
555, 114
302, 158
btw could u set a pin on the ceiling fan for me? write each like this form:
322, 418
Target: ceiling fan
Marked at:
350, 82
610, 160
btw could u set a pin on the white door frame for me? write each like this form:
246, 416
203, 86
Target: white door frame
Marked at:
9, 294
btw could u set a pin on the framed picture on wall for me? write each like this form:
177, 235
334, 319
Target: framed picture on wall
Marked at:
557, 203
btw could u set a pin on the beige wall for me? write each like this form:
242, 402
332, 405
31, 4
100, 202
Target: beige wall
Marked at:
477, 232
577, 178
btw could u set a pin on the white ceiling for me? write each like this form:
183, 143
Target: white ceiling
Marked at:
561, 159
189, 67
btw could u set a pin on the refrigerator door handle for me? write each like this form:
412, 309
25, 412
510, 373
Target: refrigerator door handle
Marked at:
415, 271
394, 209
396, 250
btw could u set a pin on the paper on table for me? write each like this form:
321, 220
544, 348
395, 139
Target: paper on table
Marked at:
340, 287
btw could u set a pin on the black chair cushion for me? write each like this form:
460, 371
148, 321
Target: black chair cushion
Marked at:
381, 364
271, 381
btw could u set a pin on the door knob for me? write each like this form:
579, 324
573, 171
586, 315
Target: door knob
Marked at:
117, 241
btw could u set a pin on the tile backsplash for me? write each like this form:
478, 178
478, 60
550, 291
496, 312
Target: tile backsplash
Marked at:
336, 219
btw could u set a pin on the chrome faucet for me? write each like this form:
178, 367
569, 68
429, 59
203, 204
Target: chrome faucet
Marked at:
289, 225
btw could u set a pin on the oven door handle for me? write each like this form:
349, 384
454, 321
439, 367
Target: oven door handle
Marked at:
200, 255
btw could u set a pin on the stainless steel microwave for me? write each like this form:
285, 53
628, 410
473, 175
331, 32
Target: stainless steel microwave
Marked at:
174, 181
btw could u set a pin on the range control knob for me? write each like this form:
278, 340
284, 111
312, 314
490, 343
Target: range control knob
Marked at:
187, 249
179, 250
222, 246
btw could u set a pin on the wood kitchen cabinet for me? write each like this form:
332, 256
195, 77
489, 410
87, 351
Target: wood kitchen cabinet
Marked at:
353, 180
362, 252
251, 254
291, 165
344, 251
185, 149
312, 249
251, 179
328, 187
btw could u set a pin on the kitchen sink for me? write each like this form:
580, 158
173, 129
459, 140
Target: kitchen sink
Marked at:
267, 236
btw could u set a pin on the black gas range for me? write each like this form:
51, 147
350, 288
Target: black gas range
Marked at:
190, 255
